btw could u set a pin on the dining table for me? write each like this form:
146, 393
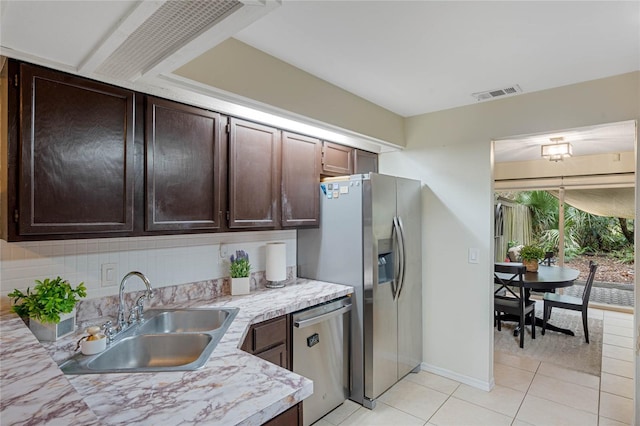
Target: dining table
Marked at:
545, 279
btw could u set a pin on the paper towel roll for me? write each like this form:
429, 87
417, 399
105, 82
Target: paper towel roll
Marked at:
276, 261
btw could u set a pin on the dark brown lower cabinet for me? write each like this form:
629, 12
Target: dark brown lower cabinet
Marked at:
270, 340
291, 417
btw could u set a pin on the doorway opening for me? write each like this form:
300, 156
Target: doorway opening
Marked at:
581, 207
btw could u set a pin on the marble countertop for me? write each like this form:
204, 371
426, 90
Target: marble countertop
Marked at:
233, 388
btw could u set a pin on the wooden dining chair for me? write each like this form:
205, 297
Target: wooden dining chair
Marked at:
505, 300
552, 300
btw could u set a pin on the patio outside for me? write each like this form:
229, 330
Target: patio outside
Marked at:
531, 217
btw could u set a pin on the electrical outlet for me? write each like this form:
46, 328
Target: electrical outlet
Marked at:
224, 253
109, 274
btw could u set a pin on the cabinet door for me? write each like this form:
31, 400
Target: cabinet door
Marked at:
365, 162
254, 175
77, 156
337, 160
300, 180
290, 417
277, 356
271, 341
183, 176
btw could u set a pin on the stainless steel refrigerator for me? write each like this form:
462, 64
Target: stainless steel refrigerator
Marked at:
370, 238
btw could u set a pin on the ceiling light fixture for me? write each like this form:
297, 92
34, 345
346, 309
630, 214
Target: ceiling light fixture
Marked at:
557, 151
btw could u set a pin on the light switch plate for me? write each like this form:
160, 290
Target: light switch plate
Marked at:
474, 255
109, 275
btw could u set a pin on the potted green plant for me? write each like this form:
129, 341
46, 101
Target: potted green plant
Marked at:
531, 255
50, 308
239, 270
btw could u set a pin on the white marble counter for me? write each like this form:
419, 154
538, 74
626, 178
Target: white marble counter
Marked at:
232, 388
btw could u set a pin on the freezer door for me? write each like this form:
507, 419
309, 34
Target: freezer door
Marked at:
409, 208
380, 312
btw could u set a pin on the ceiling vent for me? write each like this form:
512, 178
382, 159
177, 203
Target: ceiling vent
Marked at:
170, 27
496, 93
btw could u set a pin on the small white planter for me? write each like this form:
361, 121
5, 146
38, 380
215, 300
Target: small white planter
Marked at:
47, 332
240, 286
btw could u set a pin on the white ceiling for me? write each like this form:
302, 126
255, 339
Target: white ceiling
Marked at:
410, 57
591, 140
413, 57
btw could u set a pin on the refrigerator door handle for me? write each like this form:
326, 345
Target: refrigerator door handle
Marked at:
397, 231
403, 259
396, 263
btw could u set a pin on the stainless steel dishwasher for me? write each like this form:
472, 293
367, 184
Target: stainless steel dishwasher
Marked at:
321, 353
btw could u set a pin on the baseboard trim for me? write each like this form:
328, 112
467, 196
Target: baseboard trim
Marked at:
473, 382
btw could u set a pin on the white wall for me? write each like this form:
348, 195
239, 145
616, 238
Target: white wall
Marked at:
166, 260
450, 151
237, 68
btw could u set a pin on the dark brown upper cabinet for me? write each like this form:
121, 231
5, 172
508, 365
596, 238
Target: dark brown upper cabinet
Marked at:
183, 167
76, 158
300, 180
337, 160
365, 162
254, 175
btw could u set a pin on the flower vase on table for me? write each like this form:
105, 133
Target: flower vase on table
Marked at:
531, 265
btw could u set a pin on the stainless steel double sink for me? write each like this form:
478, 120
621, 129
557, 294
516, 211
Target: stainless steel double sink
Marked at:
168, 340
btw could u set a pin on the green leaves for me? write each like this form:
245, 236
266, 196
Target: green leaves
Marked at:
240, 266
531, 253
49, 299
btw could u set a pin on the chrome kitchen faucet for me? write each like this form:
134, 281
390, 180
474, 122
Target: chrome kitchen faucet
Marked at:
135, 314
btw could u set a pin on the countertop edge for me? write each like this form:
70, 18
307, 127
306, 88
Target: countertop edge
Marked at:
48, 393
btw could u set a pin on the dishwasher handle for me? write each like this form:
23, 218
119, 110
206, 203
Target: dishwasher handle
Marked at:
323, 317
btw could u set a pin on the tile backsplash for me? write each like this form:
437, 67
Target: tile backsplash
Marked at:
165, 260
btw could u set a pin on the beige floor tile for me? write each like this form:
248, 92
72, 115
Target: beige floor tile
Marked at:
619, 322
618, 331
617, 385
501, 399
617, 367
567, 375
415, 399
616, 407
433, 381
339, 414
565, 393
512, 377
517, 422
612, 339
382, 415
542, 412
458, 412
617, 352
323, 422
520, 362
603, 421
